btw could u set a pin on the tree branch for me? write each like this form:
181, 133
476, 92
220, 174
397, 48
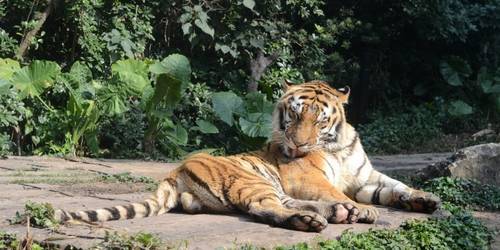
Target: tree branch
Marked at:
257, 68
42, 17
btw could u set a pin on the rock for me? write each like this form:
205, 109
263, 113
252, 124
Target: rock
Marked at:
480, 162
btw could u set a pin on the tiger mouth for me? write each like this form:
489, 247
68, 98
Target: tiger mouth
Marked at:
296, 153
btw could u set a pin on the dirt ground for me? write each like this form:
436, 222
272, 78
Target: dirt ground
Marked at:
76, 184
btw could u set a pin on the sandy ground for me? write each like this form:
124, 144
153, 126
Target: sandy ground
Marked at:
75, 185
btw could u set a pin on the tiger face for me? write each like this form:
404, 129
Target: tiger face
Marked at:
308, 117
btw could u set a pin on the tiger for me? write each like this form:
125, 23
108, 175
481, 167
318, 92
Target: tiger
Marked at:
312, 172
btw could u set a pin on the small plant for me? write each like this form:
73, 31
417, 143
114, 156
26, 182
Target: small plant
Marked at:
8, 241
127, 177
39, 215
139, 241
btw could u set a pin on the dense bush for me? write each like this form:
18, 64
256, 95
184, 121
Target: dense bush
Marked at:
402, 132
390, 53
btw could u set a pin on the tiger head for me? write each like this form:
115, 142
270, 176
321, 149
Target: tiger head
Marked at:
308, 117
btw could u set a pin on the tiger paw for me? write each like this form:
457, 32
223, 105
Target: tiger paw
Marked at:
367, 214
419, 201
344, 213
307, 221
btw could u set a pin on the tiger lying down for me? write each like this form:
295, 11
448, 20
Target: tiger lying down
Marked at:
313, 172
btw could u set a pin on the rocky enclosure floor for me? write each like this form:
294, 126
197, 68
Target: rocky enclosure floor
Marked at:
75, 185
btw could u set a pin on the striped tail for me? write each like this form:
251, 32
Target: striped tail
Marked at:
160, 203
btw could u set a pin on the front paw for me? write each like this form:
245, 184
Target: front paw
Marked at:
367, 214
307, 221
419, 201
344, 213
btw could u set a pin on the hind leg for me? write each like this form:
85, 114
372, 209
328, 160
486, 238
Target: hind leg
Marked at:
190, 203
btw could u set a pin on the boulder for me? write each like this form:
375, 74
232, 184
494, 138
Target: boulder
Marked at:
480, 162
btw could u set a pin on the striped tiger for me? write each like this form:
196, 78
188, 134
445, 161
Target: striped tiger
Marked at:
312, 172
319, 109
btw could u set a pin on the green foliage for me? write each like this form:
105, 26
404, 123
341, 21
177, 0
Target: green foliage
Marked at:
465, 193
139, 241
483, 92
459, 231
39, 215
5, 145
403, 131
254, 112
410, 51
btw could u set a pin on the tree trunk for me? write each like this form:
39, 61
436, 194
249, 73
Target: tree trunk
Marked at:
42, 17
257, 68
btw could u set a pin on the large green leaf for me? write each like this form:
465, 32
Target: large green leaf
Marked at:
256, 102
81, 83
7, 68
207, 127
454, 70
175, 65
133, 73
112, 102
177, 134
459, 108
226, 104
487, 81
173, 75
33, 79
168, 89
249, 4
203, 25
489, 88
256, 125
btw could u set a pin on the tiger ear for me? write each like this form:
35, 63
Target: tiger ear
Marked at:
285, 85
344, 94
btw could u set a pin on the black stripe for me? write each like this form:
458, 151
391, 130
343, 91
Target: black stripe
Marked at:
155, 208
206, 166
311, 163
322, 102
115, 213
92, 214
306, 97
281, 118
130, 211
376, 195
65, 216
328, 163
200, 182
351, 146
358, 171
339, 127
75, 216
172, 182
147, 207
